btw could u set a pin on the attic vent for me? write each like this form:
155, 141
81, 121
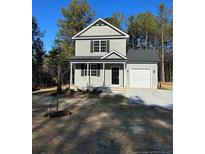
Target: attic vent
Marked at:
99, 23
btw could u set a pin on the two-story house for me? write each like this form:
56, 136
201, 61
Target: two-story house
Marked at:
102, 60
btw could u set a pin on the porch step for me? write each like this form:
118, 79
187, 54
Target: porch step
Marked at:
115, 89
105, 89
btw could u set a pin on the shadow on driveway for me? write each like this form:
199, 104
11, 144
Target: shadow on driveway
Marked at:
102, 124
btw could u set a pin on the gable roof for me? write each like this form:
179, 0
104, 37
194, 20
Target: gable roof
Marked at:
100, 19
142, 55
113, 52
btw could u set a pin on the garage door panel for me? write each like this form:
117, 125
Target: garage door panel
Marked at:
140, 78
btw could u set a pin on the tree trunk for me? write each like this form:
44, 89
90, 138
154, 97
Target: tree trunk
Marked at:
146, 39
162, 58
39, 78
59, 80
59, 89
155, 42
133, 42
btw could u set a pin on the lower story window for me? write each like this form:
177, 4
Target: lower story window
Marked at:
84, 70
94, 70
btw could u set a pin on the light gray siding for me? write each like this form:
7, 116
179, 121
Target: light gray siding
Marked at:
108, 74
152, 67
118, 45
78, 79
85, 81
113, 56
100, 31
82, 47
95, 81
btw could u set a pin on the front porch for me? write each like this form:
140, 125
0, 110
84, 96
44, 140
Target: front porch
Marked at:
93, 74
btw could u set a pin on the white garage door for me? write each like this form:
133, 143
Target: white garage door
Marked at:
140, 78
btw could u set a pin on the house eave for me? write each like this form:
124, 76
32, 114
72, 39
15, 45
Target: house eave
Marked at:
114, 52
118, 30
97, 60
142, 62
100, 37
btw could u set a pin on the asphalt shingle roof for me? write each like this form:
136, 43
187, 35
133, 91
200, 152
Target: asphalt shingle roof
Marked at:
142, 55
133, 55
85, 57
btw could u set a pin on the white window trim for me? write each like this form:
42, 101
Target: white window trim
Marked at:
99, 47
85, 73
104, 46
85, 69
94, 70
90, 70
113, 51
95, 46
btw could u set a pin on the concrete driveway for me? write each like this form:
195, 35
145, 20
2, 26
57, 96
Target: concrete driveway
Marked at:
153, 97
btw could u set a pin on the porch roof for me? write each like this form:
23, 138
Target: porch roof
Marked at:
94, 59
85, 58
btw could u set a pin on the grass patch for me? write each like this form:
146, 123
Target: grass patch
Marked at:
165, 85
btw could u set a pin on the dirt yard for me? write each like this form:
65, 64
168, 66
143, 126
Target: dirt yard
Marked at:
100, 124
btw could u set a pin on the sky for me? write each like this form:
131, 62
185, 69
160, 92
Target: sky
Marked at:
48, 12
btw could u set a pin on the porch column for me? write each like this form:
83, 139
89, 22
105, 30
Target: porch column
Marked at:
103, 74
87, 75
124, 75
89, 67
71, 72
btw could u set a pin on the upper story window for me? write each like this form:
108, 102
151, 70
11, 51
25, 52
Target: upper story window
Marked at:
100, 45
96, 46
103, 46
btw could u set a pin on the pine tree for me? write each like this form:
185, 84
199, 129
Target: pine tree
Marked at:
116, 20
166, 32
37, 54
77, 16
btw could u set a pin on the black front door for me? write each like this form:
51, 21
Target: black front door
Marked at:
115, 75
